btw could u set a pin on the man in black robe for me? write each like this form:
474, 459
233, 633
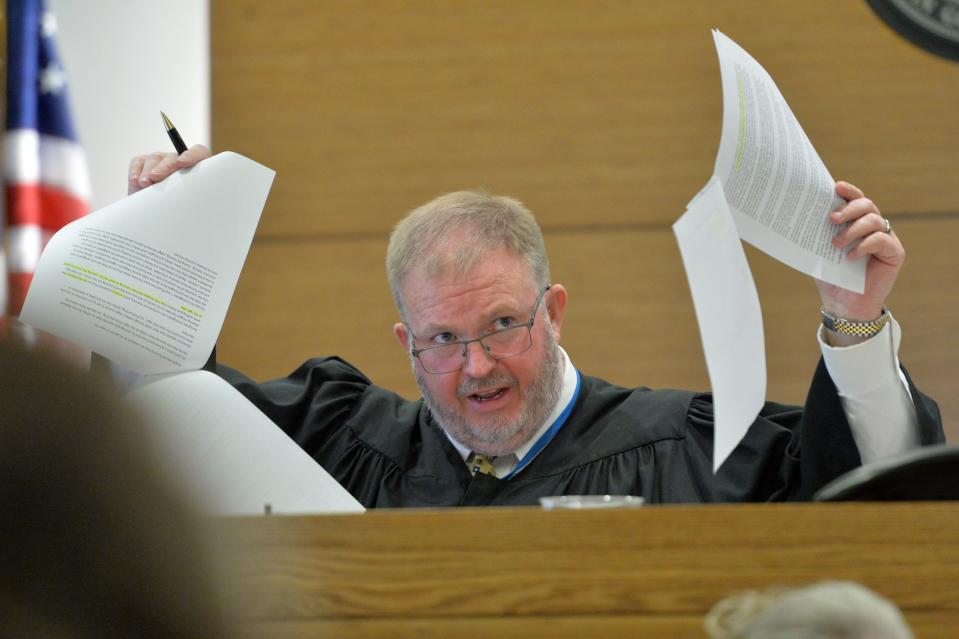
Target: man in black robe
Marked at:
506, 418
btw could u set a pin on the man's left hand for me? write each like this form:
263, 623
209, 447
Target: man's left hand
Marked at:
884, 252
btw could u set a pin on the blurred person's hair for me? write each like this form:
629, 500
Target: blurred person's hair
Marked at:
93, 542
826, 610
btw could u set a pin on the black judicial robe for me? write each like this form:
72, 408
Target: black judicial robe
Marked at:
388, 452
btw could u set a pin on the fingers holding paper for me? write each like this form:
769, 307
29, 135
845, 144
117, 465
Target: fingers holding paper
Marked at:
155, 167
870, 237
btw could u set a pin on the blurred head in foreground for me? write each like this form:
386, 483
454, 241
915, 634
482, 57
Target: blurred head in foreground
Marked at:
93, 543
827, 610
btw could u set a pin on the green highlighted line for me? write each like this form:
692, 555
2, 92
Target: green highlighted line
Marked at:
190, 311
114, 282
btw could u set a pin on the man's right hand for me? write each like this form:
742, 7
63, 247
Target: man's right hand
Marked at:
153, 167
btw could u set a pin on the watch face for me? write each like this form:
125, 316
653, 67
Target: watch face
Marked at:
930, 24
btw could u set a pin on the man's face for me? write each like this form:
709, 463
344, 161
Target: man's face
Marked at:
492, 406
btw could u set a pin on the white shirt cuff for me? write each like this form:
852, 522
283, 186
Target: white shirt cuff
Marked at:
874, 393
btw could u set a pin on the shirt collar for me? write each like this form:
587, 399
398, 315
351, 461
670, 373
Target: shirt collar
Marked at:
566, 394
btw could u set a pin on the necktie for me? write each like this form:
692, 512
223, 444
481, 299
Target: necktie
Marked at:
480, 463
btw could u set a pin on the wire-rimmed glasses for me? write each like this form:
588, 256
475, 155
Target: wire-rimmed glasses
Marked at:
501, 344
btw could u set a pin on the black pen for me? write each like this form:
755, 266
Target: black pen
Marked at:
174, 134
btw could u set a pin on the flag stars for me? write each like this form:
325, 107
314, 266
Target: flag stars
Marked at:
48, 24
52, 79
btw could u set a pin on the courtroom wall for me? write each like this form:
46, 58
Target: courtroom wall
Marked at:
604, 118
121, 72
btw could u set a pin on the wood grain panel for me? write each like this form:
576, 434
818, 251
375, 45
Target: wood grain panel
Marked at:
665, 562
925, 625
630, 318
540, 627
600, 111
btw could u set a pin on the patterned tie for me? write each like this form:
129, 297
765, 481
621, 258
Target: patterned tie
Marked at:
480, 463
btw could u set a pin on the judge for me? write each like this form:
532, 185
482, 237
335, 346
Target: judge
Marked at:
506, 417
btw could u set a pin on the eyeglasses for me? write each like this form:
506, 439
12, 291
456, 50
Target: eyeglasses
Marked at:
501, 344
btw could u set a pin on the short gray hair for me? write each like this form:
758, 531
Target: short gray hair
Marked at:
454, 230
826, 610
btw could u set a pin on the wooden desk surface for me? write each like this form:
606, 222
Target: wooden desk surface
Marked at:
525, 572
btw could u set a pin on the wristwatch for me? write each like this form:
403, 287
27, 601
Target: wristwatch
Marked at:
849, 327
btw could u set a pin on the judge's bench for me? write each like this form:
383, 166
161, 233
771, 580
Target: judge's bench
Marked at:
526, 572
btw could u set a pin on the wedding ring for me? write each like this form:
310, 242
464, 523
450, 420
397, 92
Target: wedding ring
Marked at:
888, 228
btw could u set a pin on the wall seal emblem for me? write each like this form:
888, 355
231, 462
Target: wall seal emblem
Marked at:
930, 24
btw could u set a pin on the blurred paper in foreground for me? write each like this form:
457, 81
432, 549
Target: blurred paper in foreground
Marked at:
228, 455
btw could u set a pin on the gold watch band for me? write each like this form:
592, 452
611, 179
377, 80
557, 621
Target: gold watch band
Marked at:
850, 327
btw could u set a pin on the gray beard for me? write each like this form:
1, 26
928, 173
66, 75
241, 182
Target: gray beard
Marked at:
503, 435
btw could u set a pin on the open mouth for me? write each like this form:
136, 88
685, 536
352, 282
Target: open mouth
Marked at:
489, 395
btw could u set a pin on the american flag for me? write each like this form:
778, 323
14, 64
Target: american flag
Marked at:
46, 183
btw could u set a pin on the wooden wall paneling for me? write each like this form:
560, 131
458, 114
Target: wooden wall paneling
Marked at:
606, 111
925, 625
604, 117
506, 627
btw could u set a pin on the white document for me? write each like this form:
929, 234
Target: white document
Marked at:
728, 313
146, 282
776, 185
228, 454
